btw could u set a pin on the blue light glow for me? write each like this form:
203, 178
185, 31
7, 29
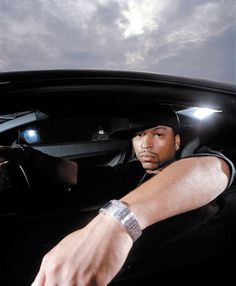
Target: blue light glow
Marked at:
31, 136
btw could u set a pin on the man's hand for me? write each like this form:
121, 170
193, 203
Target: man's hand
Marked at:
90, 256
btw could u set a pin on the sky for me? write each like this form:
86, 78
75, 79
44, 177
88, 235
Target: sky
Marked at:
190, 38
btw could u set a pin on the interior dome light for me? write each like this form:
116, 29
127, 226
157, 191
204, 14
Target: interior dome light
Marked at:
199, 113
202, 113
31, 136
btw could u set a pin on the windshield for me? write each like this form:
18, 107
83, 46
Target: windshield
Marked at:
175, 37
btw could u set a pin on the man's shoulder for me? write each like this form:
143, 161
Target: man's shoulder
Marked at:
208, 151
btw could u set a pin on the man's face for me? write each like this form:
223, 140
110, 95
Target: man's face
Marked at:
155, 146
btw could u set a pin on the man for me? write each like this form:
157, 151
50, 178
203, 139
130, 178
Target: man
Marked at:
94, 254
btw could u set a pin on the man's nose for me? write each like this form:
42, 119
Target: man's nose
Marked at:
147, 141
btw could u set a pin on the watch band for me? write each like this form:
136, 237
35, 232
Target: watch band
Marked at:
124, 215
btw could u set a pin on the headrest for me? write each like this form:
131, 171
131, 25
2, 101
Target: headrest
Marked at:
218, 131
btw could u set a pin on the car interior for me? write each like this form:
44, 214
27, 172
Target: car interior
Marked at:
196, 245
41, 224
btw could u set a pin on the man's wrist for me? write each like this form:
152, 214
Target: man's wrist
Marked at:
124, 215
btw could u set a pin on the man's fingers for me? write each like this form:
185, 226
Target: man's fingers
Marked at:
39, 280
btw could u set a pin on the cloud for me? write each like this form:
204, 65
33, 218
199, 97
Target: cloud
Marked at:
166, 36
141, 16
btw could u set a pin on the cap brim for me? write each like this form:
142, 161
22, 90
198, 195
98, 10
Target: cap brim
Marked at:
129, 133
155, 116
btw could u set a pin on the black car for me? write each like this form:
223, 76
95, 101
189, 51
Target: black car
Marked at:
76, 114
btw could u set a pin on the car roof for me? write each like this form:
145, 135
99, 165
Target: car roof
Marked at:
33, 88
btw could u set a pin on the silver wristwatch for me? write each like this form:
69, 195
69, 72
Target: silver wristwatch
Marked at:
124, 215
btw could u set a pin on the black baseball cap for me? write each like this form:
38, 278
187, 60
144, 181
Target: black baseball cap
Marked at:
163, 115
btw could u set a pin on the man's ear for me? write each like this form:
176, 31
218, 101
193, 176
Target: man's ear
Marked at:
177, 142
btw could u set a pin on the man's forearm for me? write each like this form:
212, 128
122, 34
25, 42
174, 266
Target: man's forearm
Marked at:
60, 170
183, 186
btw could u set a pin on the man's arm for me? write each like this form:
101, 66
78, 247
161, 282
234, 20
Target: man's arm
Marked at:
96, 253
40, 165
185, 185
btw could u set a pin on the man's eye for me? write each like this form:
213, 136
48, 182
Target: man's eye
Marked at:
158, 134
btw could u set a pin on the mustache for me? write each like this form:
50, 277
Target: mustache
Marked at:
148, 153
